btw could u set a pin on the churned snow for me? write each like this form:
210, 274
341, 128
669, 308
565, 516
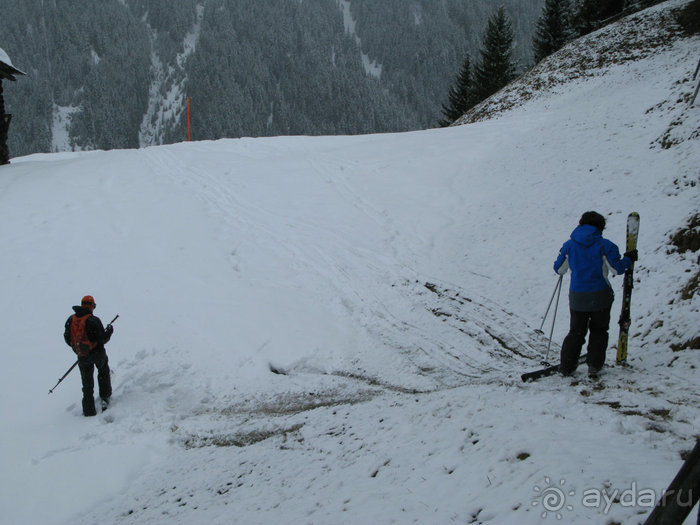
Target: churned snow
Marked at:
332, 329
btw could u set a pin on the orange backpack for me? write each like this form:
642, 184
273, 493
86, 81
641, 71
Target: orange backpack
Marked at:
79, 340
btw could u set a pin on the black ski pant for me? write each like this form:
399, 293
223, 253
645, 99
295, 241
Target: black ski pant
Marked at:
597, 323
87, 364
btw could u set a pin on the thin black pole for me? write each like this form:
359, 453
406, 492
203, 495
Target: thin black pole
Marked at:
64, 376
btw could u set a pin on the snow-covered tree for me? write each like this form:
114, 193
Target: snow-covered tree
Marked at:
460, 96
590, 14
496, 67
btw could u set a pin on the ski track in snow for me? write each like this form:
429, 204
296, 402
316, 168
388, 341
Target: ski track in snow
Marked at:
332, 329
334, 266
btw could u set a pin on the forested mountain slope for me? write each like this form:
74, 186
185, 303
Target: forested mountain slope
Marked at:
116, 73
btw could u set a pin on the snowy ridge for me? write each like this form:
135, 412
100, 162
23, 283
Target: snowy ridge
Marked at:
633, 38
332, 329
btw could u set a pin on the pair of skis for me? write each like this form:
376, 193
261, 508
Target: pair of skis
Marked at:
625, 319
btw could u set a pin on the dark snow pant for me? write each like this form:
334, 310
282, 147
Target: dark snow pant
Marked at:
581, 323
96, 358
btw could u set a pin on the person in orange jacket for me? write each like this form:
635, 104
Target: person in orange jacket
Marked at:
86, 335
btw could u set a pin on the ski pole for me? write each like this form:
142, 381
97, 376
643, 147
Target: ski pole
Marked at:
554, 319
76, 362
64, 376
556, 286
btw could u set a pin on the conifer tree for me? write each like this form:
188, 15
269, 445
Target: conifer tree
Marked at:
496, 67
689, 18
591, 13
586, 16
460, 97
553, 28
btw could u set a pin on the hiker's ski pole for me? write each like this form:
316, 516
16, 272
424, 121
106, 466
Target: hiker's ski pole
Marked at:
556, 287
554, 319
64, 376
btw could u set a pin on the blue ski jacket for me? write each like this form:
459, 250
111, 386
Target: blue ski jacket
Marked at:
590, 257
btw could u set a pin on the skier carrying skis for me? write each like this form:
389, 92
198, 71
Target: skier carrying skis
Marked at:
590, 257
85, 334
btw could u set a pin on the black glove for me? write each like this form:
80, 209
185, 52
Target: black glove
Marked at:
632, 254
109, 330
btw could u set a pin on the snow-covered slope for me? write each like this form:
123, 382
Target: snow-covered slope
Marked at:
392, 283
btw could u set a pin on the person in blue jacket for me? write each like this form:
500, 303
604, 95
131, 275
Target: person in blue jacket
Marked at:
590, 257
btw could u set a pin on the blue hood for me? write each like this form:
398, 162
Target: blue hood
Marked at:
586, 235
589, 256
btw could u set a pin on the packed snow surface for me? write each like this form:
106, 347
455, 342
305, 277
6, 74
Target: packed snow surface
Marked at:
332, 329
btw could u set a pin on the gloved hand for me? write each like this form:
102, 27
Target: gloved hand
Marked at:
109, 330
632, 254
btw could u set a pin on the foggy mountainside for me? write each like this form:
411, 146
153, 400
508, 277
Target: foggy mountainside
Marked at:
116, 73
